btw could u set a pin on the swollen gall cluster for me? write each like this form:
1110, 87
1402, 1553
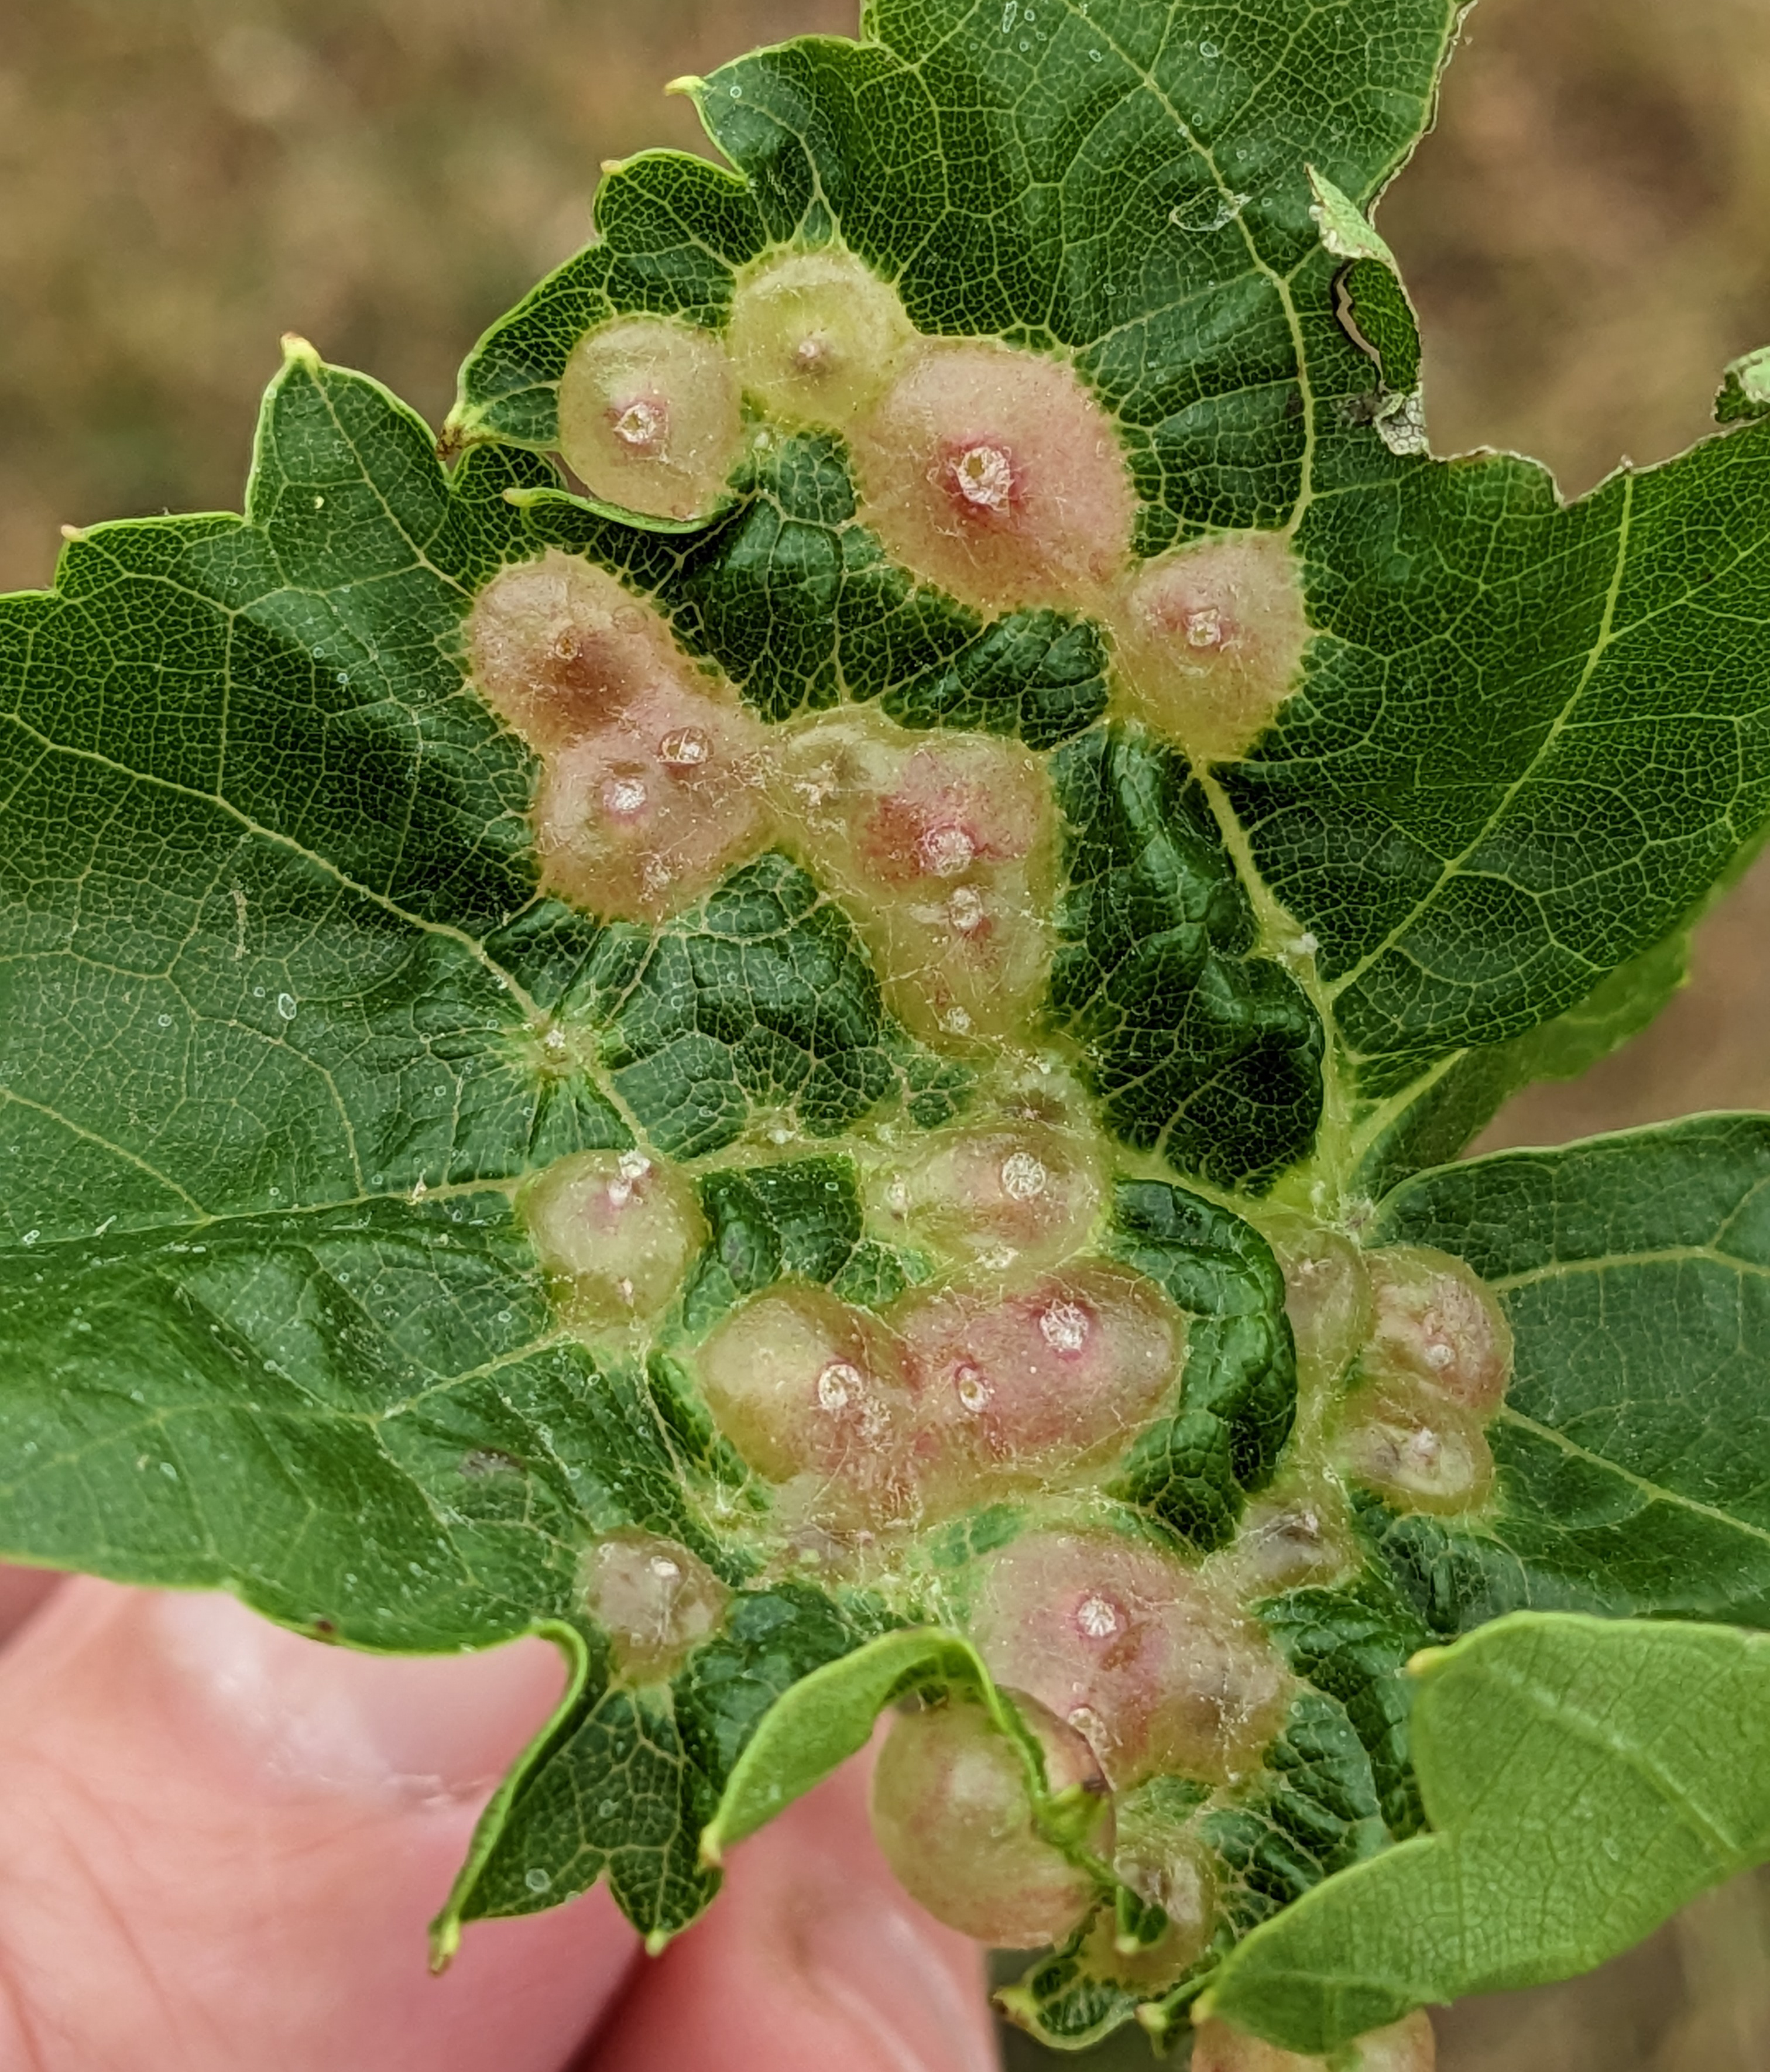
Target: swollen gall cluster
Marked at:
1019, 1362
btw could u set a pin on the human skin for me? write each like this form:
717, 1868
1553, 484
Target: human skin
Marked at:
224, 1843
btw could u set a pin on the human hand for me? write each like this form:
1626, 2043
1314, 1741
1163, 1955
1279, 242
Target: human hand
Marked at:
223, 1843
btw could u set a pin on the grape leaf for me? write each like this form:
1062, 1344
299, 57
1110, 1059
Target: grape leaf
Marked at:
1196, 1048
1316, 1812
1352, 1643
801, 1219
363, 1417
1572, 1810
672, 230
761, 1000
625, 1781
287, 1023
1469, 862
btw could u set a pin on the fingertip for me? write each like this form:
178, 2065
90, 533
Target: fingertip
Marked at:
22, 1592
244, 1834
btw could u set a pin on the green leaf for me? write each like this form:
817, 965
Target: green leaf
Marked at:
1352, 1643
611, 1793
1314, 1812
1573, 1809
761, 1000
1472, 863
1198, 1046
801, 1218
228, 991
1632, 1443
1133, 191
625, 1781
1193, 1471
363, 1418
286, 1023
1430, 1121
801, 607
1376, 315
1066, 2003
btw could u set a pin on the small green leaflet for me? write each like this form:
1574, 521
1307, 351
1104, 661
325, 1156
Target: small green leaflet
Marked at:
1573, 1808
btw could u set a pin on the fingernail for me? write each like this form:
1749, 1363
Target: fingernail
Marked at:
314, 1715
890, 1968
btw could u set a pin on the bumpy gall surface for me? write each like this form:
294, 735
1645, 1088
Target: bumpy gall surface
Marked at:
1327, 1298
616, 1230
807, 1390
1052, 1376
954, 1817
654, 1598
1436, 1323
813, 335
559, 646
995, 475
1210, 640
1020, 1196
643, 815
649, 417
1415, 1448
1166, 1864
1157, 1672
1293, 1538
943, 850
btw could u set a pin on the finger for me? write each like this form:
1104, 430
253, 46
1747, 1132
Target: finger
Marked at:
22, 1591
812, 1959
223, 1843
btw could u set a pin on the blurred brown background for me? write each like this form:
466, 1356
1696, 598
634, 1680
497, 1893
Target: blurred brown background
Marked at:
182, 180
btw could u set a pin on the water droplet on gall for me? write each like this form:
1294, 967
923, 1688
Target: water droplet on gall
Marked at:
1023, 1176
684, 749
838, 1385
641, 426
1064, 1327
1098, 1618
984, 475
1204, 627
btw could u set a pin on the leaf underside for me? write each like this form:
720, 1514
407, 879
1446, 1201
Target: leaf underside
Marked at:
286, 1018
